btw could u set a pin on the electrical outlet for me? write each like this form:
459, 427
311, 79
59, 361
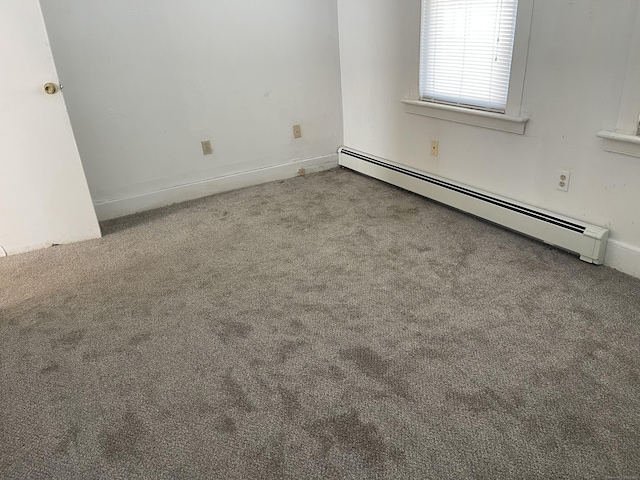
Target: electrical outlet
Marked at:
206, 147
435, 145
297, 131
562, 181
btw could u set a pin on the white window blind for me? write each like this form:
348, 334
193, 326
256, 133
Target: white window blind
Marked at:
466, 52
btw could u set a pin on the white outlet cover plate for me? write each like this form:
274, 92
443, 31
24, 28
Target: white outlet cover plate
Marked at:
566, 180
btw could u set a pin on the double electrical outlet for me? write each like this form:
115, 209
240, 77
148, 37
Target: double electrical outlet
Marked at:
562, 180
206, 147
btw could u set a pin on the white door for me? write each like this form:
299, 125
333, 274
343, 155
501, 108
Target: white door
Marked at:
44, 198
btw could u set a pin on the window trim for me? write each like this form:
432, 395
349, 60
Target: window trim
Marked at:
624, 139
623, 143
467, 116
512, 120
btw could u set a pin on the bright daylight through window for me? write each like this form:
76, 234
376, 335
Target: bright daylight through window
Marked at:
466, 52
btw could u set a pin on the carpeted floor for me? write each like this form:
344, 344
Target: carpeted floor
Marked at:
329, 326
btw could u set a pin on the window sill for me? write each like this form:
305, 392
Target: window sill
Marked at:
620, 143
478, 118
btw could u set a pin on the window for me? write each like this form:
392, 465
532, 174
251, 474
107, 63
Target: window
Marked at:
473, 56
624, 137
466, 52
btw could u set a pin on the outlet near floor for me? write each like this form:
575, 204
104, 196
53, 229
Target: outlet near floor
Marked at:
206, 147
562, 181
435, 146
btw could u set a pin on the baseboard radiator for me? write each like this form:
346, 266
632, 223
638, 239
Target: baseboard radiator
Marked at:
588, 241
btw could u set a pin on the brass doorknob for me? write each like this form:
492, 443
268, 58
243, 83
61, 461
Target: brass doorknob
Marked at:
50, 88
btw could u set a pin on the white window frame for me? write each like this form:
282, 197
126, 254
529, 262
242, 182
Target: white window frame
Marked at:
511, 120
625, 139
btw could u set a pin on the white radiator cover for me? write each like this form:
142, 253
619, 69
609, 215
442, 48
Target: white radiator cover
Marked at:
588, 241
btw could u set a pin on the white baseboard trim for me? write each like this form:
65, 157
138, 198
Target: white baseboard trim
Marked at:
181, 193
623, 257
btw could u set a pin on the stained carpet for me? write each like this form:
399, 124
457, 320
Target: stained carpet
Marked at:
328, 326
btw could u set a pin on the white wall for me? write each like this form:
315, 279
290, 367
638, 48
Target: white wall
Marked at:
574, 80
43, 193
147, 80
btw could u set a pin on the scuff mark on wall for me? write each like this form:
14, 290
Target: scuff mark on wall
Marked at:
3, 252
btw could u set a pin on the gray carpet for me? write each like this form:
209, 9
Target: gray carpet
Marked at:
329, 326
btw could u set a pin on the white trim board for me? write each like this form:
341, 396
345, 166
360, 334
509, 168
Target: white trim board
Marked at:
148, 201
623, 257
467, 116
620, 143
